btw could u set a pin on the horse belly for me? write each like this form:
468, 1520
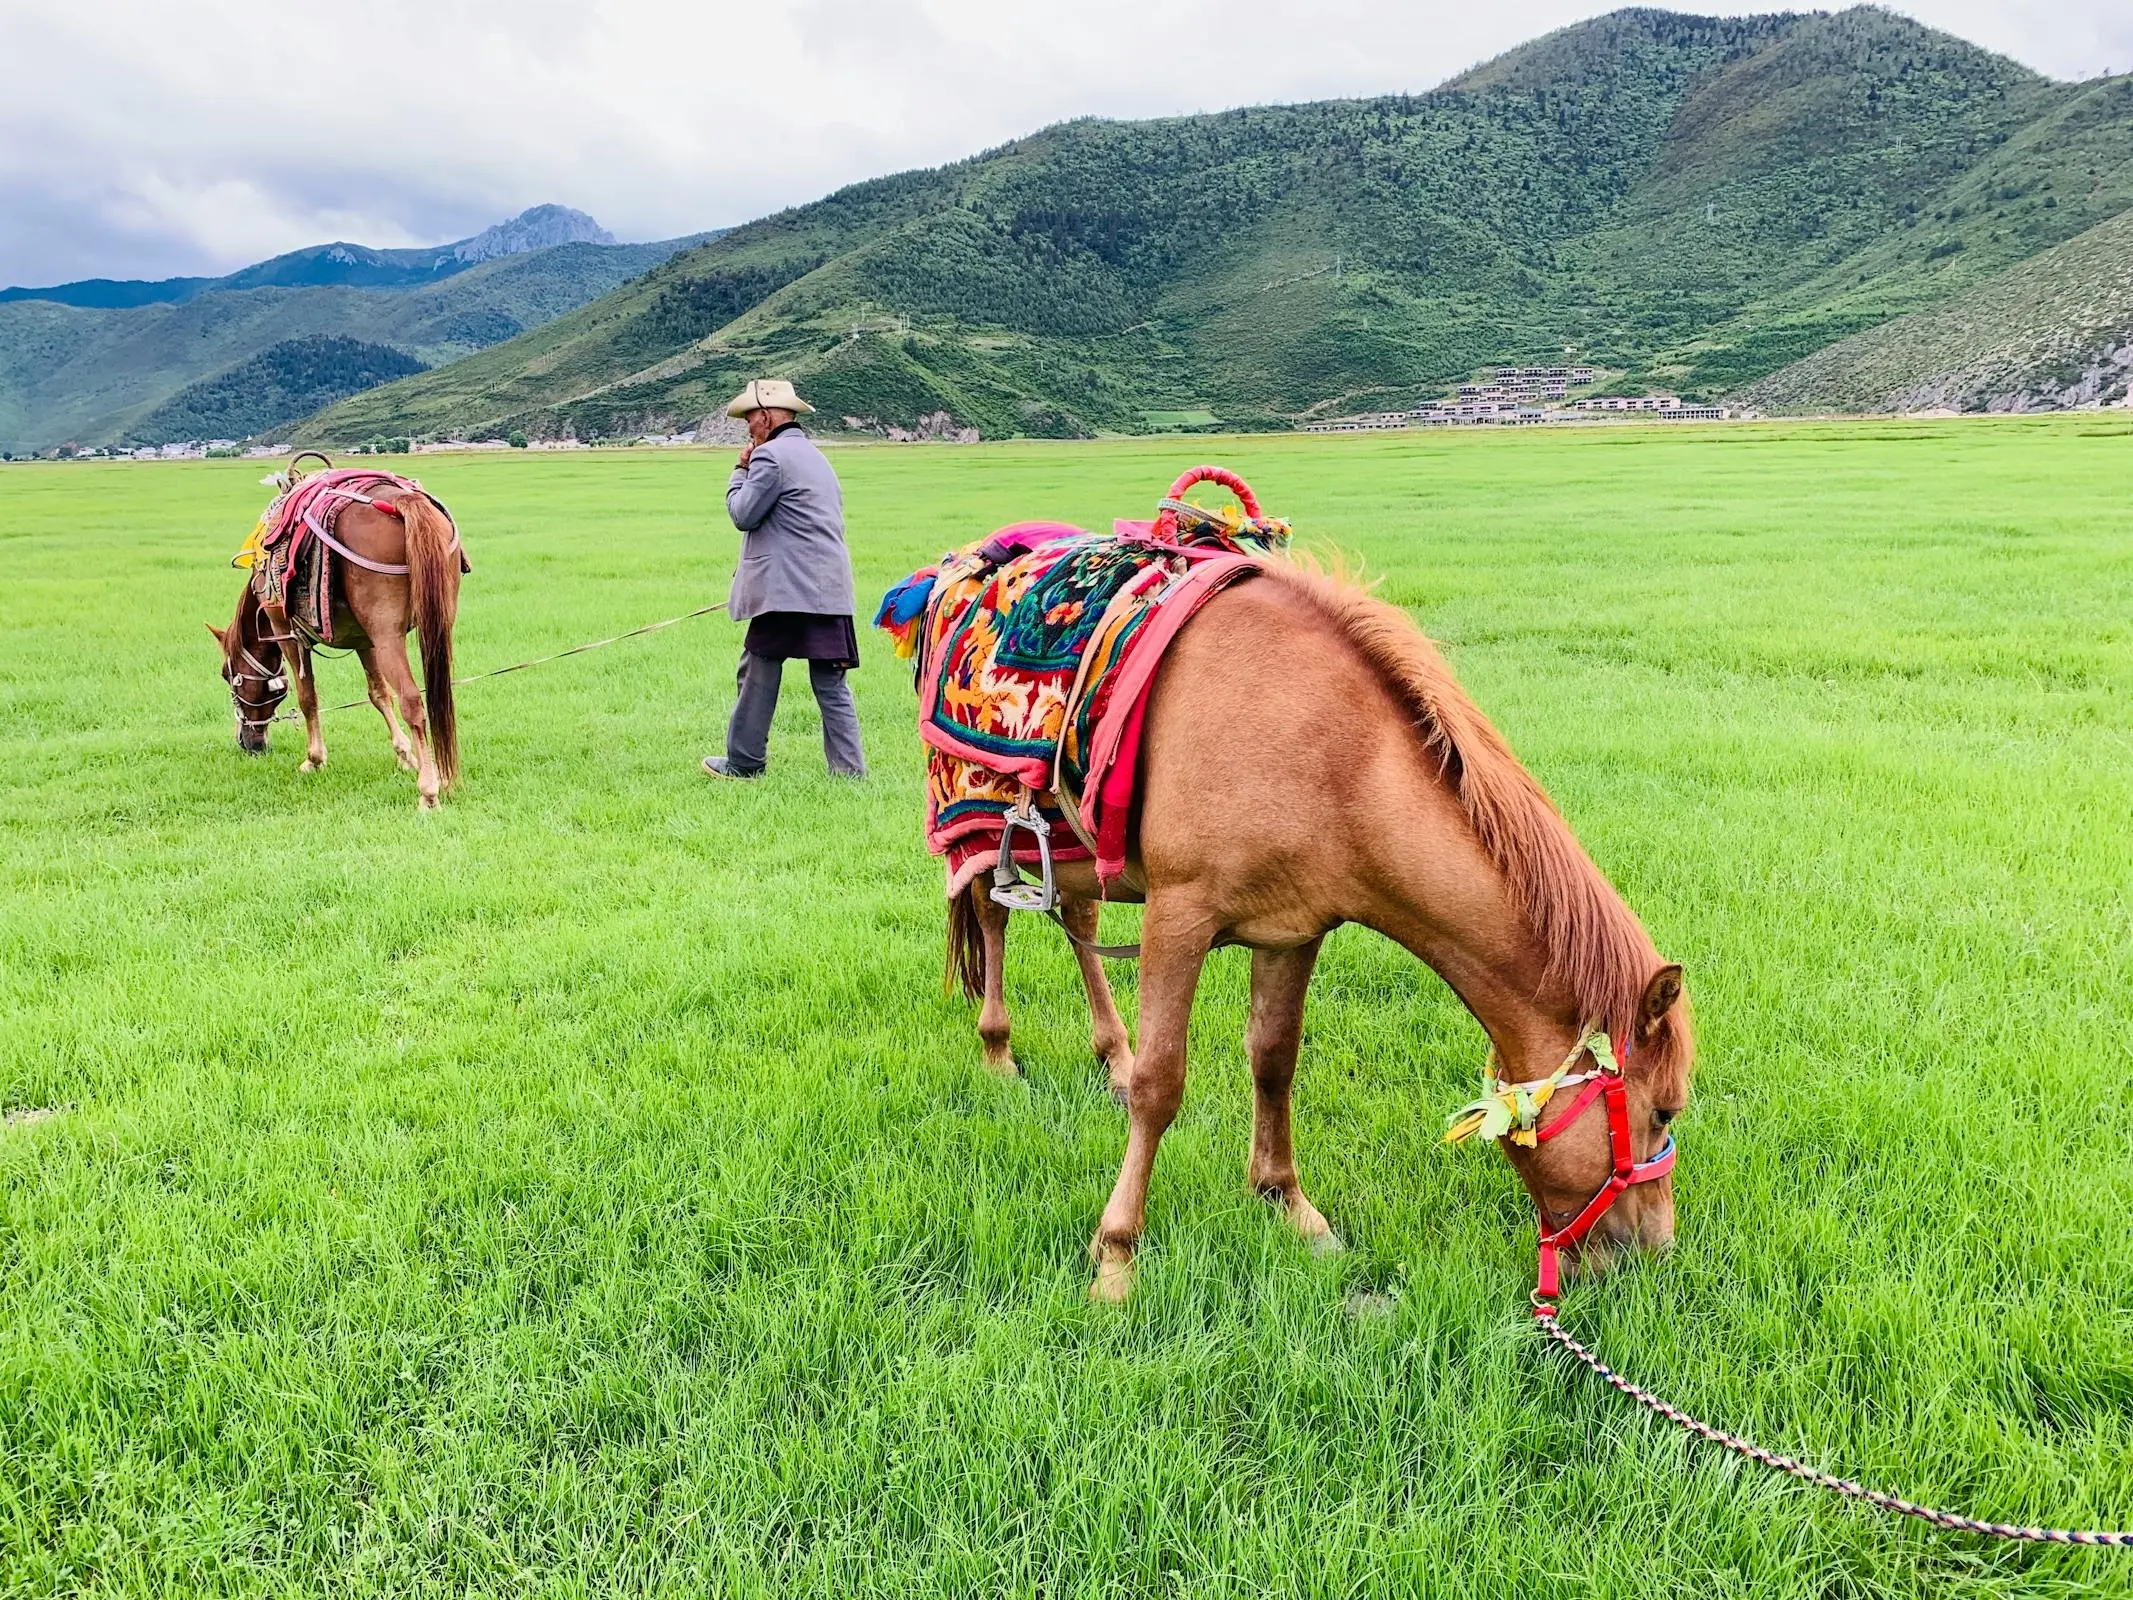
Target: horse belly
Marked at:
1078, 878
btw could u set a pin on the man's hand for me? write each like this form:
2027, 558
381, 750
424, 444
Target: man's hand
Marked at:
747, 450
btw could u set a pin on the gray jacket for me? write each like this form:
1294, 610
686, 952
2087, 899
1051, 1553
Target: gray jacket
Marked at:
788, 504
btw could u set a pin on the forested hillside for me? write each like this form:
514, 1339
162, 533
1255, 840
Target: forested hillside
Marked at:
280, 385
2053, 332
1696, 201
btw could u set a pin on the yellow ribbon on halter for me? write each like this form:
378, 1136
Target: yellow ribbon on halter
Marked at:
1514, 1108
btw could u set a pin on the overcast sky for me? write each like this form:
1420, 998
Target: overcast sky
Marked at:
149, 138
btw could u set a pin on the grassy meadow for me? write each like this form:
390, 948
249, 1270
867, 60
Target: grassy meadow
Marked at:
588, 1190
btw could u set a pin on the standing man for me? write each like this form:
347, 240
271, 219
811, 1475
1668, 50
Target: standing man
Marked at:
793, 586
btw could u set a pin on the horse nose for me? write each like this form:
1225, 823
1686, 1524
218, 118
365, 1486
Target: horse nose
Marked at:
1655, 1224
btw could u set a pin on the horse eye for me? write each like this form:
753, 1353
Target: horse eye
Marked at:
1662, 1115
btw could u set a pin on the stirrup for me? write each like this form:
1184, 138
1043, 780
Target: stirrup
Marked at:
1009, 887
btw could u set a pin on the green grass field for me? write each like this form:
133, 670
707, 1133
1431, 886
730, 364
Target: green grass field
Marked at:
588, 1190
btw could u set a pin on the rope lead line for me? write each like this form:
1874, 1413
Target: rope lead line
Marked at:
1545, 1315
542, 661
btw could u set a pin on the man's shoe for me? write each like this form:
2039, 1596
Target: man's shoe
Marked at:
723, 767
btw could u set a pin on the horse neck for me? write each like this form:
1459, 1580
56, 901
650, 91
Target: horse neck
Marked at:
1435, 889
250, 624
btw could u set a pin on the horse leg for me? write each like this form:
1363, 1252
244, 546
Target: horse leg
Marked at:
297, 661
993, 1026
1108, 1035
1275, 1032
382, 698
1172, 952
393, 663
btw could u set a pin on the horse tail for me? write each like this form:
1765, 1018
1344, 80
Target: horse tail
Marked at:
433, 584
966, 948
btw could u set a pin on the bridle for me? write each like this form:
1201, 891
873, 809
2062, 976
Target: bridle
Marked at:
1513, 1110
276, 683
1606, 1084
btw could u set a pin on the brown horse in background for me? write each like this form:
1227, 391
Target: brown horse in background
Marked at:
1309, 760
373, 613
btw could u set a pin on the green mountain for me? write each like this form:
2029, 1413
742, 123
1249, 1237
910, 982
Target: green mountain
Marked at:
95, 374
280, 385
2054, 332
1696, 201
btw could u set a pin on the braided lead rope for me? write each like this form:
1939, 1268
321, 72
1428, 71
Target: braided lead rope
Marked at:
538, 661
1545, 1314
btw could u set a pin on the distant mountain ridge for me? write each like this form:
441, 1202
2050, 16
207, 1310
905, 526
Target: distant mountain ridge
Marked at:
1696, 201
97, 374
341, 264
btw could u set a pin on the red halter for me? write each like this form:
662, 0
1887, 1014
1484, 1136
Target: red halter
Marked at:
1628, 1170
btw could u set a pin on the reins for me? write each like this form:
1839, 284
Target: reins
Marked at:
1512, 1111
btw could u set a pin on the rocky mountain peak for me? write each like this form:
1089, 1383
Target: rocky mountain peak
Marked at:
535, 229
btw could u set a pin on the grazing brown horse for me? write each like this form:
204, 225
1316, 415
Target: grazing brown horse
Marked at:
373, 613
1309, 760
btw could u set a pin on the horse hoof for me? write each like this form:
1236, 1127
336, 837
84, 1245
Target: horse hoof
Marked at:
1002, 1065
311, 766
428, 802
1325, 1244
405, 763
1113, 1281
1121, 1090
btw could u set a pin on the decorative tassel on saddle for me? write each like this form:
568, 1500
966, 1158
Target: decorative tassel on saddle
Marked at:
1514, 1108
903, 611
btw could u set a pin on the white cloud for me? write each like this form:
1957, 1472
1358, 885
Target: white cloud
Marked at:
143, 137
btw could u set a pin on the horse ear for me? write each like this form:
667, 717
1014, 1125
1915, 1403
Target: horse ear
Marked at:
1659, 997
217, 632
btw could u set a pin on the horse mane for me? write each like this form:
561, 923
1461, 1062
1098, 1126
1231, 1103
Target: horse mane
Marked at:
1594, 943
247, 609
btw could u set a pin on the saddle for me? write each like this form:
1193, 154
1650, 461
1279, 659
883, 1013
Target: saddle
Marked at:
293, 550
1034, 652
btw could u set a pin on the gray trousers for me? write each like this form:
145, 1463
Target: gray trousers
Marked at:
756, 685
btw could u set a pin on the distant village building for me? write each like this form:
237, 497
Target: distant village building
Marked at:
1631, 402
1515, 397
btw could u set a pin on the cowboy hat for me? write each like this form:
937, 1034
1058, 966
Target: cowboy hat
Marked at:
767, 394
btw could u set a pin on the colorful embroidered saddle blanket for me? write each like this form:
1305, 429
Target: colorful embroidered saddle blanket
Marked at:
1035, 653
294, 548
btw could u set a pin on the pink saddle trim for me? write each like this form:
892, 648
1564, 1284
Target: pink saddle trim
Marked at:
1106, 807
